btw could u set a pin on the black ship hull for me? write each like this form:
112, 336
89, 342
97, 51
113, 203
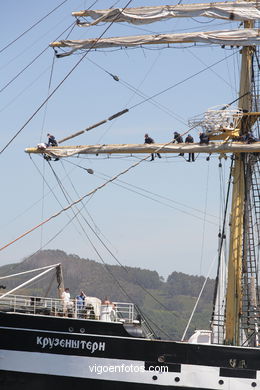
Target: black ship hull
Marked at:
38, 351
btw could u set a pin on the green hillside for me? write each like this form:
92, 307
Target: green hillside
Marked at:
167, 304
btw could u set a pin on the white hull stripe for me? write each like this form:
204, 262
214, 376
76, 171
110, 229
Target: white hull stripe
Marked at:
201, 377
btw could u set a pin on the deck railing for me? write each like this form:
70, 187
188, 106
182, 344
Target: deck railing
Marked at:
116, 312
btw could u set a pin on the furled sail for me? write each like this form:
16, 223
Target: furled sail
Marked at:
213, 147
143, 15
245, 37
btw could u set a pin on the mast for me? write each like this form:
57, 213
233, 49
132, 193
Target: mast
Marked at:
234, 286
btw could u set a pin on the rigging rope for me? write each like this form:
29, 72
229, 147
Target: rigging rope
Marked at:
115, 258
68, 198
79, 200
198, 299
184, 80
43, 122
113, 116
46, 182
26, 67
158, 201
73, 203
143, 101
212, 70
30, 28
55, 236
49, 87
147, 99
110, 252
144, 190
222, 235
204, 220
60, 83
30, 63
125, 269
140, 93
84, 205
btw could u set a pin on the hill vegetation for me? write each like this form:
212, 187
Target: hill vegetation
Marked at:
167, 304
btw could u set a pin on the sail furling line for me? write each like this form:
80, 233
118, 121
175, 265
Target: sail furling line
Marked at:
237, 11
246, 37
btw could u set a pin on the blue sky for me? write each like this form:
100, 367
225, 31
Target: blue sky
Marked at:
178, 234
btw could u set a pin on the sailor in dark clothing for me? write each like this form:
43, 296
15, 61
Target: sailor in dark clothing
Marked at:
51, 140
149, 140
204, 139
249, 138
178, 138
189, 140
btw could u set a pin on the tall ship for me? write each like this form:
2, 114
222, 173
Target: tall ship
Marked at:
91, 342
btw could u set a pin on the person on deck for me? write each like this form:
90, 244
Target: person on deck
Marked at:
108, 310
80, 299
149, 140
66, 295
67, 304
51, 140
189, 140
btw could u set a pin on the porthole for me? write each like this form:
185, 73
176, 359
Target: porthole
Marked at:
82, 330
253, 384
71, 329
177, 379
221, 382
155, 378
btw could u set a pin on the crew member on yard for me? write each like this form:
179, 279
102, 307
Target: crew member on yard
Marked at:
51, 140
204, 139
249, 138
189, 140
149, 140
178, 138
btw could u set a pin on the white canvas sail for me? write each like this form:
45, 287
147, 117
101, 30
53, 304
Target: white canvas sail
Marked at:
246, 37
144, 15
213, 147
